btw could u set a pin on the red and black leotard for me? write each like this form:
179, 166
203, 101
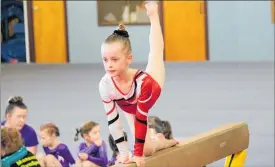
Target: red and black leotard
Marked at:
142, 96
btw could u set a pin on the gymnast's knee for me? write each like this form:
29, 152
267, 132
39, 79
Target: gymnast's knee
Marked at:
50, 157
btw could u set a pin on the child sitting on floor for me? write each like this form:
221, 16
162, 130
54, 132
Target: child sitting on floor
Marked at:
93, 151
57, 153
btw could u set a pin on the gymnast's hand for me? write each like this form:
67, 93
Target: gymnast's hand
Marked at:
123, 159
138, 160
152, 8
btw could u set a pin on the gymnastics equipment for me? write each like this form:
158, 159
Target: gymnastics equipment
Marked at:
223, 142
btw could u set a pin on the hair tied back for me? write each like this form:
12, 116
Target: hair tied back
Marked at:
15, 100
121, 31
76, 134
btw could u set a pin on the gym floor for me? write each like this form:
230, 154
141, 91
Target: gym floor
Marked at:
197, 97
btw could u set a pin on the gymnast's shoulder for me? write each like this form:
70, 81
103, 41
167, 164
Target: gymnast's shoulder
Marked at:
105, 85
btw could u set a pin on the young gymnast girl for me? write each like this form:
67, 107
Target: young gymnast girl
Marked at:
57, 153
13, 151
93, 151
132, 90
16, 117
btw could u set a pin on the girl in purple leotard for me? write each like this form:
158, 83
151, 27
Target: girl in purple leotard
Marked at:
56, 152
93, 151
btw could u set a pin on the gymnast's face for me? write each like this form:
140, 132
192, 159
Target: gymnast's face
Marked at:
115, 58
46, 139
93, 134
17, 118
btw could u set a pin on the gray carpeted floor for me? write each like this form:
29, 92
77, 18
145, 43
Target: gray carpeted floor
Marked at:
196, 98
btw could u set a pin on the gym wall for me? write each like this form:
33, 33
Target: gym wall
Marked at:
85, 36
237, 31
240, 31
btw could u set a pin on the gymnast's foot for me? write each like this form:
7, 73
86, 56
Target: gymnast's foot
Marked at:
165, 142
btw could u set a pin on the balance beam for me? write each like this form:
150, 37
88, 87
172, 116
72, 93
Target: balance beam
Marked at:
202, 149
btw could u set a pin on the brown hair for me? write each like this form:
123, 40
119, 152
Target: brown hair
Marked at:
51, 129
160, 126
11, 140
84, 129
122, 36
16, 101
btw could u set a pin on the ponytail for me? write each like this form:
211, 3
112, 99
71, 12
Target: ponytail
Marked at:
84, 129
76, 134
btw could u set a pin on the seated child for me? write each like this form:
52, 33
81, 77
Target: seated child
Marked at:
114, 148
93, 151
57, 153
13, 152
